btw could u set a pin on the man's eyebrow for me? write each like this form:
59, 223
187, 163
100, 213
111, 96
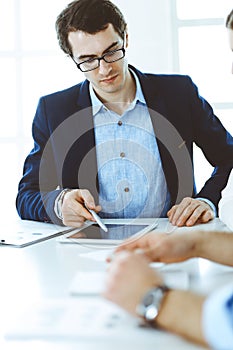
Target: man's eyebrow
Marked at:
83, 57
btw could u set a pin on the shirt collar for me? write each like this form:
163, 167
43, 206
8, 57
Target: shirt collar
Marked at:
97, 104
139, 94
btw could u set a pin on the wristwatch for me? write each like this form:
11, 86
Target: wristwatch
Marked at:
59, 202
150, 304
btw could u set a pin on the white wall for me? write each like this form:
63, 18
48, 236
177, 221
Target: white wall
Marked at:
150, 30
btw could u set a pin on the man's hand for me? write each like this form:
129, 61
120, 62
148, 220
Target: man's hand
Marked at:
189, 212
74, 205
129, 278
163, 247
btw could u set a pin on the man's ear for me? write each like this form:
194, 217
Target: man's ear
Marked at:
126, 37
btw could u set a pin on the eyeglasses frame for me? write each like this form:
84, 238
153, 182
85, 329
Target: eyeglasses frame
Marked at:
100, 58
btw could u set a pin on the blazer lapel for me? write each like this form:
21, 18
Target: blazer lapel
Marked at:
164, 131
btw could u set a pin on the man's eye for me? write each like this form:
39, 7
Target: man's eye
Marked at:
110, 53
90, 60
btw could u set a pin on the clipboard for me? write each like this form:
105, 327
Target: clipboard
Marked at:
25, 232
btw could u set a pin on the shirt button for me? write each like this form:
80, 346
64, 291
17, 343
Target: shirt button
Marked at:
119, 123
122, 154
126, 189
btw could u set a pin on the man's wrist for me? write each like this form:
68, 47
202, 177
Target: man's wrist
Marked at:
59, 201
151, 303
171, 316
197, 239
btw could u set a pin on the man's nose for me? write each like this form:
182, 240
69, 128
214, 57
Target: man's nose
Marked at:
104, 67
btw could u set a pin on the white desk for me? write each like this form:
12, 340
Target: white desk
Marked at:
46, 269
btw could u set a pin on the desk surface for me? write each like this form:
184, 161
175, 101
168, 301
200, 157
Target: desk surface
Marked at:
47, 269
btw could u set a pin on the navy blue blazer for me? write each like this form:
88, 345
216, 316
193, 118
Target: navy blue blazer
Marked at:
64, 145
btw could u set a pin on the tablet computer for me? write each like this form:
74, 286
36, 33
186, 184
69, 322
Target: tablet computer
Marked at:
118, 230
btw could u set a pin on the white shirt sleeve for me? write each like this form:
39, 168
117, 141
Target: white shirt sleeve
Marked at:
226, 204
217, 319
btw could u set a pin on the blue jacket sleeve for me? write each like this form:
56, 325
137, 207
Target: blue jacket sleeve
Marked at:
38, 187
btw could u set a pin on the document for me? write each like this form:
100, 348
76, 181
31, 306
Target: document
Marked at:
25, 232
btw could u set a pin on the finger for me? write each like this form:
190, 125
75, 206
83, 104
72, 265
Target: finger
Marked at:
110, 258
171, 212
87, 198
177, 209
196, 215
97, 208
184, 204
89, 202
189, 216
127, 245
126, 257
84, 198
73, 222
75, 211
121, 258
130, 244
207, 216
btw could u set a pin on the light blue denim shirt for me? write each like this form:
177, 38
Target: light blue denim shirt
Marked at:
131, 179
217, 319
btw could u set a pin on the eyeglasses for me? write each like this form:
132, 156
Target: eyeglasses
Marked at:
108, 57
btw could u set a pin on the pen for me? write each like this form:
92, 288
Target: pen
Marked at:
98, 220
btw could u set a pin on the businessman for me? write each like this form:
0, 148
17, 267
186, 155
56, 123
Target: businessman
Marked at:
120, 142
226, 202
208, 320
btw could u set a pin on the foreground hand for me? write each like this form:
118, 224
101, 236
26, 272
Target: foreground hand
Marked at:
74, 210
163, 247
129, 278
189, 212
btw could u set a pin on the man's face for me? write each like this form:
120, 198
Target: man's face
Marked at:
230, 31
108, 78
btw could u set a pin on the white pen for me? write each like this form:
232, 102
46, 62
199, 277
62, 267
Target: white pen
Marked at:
98, 220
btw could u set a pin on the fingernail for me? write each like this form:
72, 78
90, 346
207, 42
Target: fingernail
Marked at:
189, 223
110, 257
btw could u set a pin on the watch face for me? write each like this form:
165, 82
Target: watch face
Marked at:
151, 313
153, 297
149, 308
148, 300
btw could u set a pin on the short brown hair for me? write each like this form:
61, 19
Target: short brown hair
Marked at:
90, 16
229, 21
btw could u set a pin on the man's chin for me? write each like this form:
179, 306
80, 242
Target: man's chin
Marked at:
111, 89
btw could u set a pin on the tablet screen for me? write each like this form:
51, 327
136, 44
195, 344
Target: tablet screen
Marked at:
115, 232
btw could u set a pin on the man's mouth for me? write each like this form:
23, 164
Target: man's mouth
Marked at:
109, 79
